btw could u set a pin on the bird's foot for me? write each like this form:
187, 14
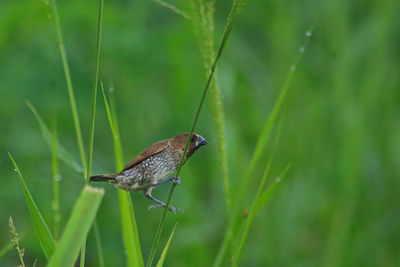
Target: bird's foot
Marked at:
176, 180
170, 208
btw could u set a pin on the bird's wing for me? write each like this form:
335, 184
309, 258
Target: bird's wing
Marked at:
148, 152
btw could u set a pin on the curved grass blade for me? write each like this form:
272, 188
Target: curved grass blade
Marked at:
270, 122
42, 231
62, 153
172, 8
260, 201
259, 151
78, 226
6, 248
160, 262
234, 12
130, 233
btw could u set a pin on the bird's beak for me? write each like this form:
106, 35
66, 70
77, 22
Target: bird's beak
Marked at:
201, 141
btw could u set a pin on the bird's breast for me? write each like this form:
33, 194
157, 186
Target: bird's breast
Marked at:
161, 165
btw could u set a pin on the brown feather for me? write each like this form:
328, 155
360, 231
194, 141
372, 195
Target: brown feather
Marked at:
148, 152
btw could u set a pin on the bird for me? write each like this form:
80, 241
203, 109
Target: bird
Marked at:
154, 166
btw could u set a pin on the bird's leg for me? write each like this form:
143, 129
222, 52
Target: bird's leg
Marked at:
175, 180
159, 202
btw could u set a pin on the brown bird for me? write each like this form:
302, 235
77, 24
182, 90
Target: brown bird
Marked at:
154, 166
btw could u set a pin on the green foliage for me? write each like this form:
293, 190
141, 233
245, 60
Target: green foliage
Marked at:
42, 231
77, 228
6, 248
337, 205
160, 262
66, 157
129, 231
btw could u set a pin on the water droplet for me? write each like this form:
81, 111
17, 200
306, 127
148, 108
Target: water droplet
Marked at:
57, 177
301, 49
308, 33
278, 179
111, 89
292, 68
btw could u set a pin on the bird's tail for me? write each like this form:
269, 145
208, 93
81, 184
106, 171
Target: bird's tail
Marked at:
103, 178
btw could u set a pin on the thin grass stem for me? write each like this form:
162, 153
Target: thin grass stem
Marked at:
231, 18
56, 19
55, 204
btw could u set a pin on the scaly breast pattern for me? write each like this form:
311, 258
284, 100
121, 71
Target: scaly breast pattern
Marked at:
148, 171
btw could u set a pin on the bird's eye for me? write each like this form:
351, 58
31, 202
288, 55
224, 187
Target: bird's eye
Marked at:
193, 138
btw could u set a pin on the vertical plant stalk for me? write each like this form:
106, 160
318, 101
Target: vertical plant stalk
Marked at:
92, 129
94, 90
234, 12
130, 233
55, 204
56, 19
203, 22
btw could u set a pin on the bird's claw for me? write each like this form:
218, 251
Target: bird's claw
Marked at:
170, 208
176, 180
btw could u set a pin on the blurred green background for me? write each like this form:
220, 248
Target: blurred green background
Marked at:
338, 206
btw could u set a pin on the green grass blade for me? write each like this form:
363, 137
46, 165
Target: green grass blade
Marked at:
244, 232
92, 126
56, 19
42, 231
172, 8
266, 195
160, 262
261, 147
260, 201
99, 246
270, 122
62, 153
130, 233
118, 155
55, 204
78, 226
6, 248
94, 90
234, 12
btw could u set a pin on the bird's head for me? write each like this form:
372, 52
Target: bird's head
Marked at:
196, 141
